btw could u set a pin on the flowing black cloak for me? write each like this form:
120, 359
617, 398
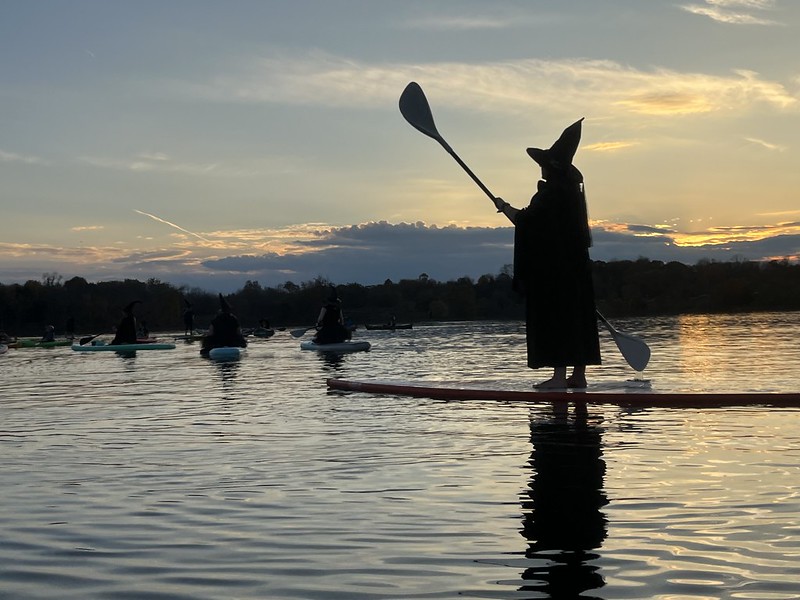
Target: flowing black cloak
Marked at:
553, 269
126, 331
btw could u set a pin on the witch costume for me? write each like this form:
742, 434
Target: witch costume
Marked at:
127, 328
552, 267
330, 323
224, 330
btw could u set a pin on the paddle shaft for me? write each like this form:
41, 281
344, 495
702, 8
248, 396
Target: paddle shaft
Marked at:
88, 338
464, 166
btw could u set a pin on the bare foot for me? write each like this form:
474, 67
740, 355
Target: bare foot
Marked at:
552, 384
576, 381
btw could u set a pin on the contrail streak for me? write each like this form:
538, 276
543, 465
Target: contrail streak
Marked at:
178, 227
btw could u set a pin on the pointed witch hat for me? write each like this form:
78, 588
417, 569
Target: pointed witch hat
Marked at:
561, 153
128, 310
223, 305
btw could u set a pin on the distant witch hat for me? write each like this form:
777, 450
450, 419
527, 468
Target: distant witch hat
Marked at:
128, 310
561, 153
223, 305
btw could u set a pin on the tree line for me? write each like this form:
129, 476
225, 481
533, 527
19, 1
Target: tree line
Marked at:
623, 288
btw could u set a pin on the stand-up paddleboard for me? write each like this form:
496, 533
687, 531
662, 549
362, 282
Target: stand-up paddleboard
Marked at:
340, 347
28, 343
121, 347
226, 353
635, 396
188, 338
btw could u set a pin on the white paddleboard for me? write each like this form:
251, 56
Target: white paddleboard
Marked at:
226, 353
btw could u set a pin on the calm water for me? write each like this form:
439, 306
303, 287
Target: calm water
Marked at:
169, 476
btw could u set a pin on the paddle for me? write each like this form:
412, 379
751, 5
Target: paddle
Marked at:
85, 340
634, 350
416, 110
301, 332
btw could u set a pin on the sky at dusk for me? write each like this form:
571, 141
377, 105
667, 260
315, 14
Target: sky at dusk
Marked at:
210, 143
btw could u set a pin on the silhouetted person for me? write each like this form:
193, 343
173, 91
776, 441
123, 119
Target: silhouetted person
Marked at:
330, 323
562, 518
552, 267
49, 334
188, 319
224, 330
127, 328
69, 330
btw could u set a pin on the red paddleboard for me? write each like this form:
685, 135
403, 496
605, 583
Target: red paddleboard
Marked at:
637, 396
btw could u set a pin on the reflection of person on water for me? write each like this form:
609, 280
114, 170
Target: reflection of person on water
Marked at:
49, 334
224, 330
562, 517
127, 328
188, 319
330, 323
552, 267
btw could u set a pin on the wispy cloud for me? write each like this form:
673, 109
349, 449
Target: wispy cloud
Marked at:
609, 146
141, 164
734, 12
87, 228
459, 23
765, 144
161, 163
501, 87
14, 157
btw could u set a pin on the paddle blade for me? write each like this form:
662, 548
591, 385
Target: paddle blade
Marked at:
85, 340
300, 332
635, 352
415, 108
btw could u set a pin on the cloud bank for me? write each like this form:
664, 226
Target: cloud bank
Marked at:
370, 253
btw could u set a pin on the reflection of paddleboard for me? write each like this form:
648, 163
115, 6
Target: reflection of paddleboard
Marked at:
631, 397
121, 347
225, 353
340, 347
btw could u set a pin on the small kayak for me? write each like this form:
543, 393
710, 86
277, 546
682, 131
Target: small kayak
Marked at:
121, 347
340, 347
226, 353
